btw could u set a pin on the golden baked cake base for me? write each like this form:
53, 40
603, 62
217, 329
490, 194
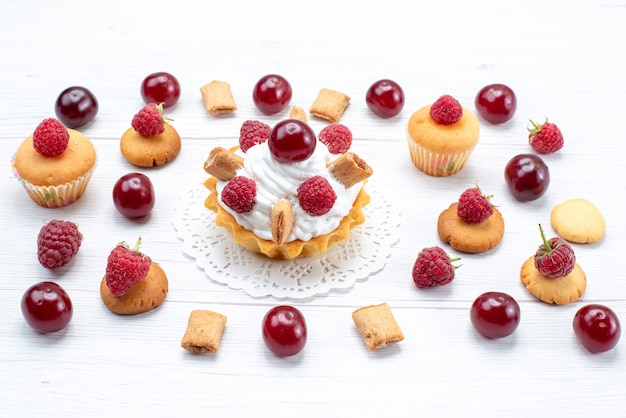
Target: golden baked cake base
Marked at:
288, 250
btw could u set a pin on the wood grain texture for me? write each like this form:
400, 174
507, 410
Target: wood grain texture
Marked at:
563, 60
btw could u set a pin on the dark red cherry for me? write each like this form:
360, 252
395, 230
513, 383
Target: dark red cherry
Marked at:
597, 327
133, 195
495, 314
76, 106
161, 87
527, 176
284, 330
47, 307
496, 103
291, 140
385, 98
271, 94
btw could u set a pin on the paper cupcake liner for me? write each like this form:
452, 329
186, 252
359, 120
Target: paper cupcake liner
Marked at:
437, 164
59, 195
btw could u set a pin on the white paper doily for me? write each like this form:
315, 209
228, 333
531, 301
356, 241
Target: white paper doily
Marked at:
364, 253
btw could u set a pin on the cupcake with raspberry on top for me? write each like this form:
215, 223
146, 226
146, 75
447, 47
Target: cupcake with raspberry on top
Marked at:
54, 164
442, 136
472, 224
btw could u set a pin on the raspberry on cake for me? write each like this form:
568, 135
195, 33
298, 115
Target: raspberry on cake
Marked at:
297, 198
151, 140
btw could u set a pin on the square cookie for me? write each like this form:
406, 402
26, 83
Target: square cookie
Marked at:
377, 326
204, 331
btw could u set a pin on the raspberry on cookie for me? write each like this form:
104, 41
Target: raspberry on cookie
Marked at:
472, 224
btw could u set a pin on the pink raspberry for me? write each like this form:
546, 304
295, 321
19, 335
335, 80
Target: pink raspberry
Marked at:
253, 132
446, 110
239, 194
57, 243
474, 207
316, 196
51, 138
125, 268
433, 267
149, 121
337, 138
546, 138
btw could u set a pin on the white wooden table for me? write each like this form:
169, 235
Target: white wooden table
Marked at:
564, 60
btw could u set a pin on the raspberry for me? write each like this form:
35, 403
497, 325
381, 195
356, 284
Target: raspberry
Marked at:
446, 110
150, 121
433, 267
253, 132
57, 243
555, 257
50, 138
239, 194
546, 138
125, 268
337, 138
316, 196
474, 207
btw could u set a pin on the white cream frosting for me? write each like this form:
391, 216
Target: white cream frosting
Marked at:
275, 181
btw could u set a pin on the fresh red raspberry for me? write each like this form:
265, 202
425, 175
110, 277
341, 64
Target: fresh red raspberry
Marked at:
57, 243
433, 267
446, 110
239, 194
253, 132
337, 138
474, 207
316, 196
50, 138
546, 138
555, 257
125, 268
150, 121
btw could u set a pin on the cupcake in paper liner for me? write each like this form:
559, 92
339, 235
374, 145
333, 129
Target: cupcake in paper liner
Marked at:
442, 137
54, 174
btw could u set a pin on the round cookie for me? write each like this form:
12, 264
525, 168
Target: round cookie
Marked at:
146, 295
470, 238
150, 151
578, 220
561, 290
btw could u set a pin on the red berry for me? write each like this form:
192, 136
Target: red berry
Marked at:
316, 196
336, 137
546, 138
161, 88
133, 195
253, 132
527, 176
76, 106
57, 243
555, 257
496, 103
291, 140
433, 267
474, 207
385, 98
271, 94
284, 330
125, 268
149, 121
239, 194
47, 307
50, 138
597, 327
446, 110
495, 314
